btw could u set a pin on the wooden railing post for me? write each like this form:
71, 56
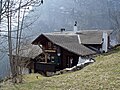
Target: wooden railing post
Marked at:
46, 56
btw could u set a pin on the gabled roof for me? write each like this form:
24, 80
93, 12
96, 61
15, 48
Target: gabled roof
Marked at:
74, 42
69, 43
86, 36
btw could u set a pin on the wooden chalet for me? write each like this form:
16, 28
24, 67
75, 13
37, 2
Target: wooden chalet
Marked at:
65, 49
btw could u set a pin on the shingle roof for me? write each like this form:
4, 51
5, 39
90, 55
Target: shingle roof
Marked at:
71, 43
30, 51
78, 49
63, 38
92, 37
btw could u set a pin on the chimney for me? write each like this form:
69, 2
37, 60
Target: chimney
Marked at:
62, 29
75, 27
105, 42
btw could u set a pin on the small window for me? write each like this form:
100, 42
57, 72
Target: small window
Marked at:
54, 47
49, 45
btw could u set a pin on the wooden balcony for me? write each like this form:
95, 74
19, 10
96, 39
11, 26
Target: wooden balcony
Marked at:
45, 67
50, 51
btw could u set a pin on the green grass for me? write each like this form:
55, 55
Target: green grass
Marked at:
104, 74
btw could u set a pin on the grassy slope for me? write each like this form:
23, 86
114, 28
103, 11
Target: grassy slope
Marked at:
104, 74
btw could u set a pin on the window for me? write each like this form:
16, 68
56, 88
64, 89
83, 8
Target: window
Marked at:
54, 47
49, 45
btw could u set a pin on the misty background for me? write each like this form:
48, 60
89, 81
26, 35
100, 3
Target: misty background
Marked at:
54, 15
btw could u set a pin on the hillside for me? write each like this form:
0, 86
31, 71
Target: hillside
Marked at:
104, 74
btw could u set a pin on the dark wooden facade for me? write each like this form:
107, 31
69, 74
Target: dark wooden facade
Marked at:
55, 57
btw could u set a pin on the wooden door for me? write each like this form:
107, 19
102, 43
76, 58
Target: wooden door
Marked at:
69, 62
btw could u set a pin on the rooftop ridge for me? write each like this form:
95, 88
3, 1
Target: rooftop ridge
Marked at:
74, 33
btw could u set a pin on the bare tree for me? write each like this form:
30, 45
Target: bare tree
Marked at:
9, 9
114, 14
0, 9
115, 20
